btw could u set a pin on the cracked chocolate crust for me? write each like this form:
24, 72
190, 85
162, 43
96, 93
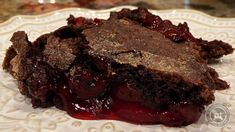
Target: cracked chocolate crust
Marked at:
177, 33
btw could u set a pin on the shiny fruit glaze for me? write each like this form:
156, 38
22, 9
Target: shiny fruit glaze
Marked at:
177, 33
112, 106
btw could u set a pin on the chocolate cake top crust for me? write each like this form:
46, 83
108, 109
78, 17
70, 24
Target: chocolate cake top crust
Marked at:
177, 33
126, 42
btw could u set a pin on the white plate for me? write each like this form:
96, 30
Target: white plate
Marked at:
16, 113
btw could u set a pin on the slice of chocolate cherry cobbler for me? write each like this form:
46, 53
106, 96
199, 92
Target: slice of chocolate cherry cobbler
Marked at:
133, 67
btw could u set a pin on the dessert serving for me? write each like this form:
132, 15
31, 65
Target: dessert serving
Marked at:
133, 67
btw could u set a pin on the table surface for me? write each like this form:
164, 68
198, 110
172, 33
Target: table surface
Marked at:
219, 8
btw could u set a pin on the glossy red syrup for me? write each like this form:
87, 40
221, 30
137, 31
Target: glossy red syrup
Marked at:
114, 108
175, 33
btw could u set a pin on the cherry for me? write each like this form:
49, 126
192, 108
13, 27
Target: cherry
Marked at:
80, 21
168, 29
97, 21
174, 35
87, 85
154, 22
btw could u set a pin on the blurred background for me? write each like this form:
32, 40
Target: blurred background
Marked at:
219, 8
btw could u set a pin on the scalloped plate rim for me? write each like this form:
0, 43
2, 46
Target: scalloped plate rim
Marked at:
114, 9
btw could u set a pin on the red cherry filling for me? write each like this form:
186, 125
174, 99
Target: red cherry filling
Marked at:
80, 21
178, 115
86, 85
167, 28
123, 104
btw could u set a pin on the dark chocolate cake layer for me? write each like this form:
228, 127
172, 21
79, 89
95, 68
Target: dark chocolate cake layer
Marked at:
125, 42
208, 49
118, 68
